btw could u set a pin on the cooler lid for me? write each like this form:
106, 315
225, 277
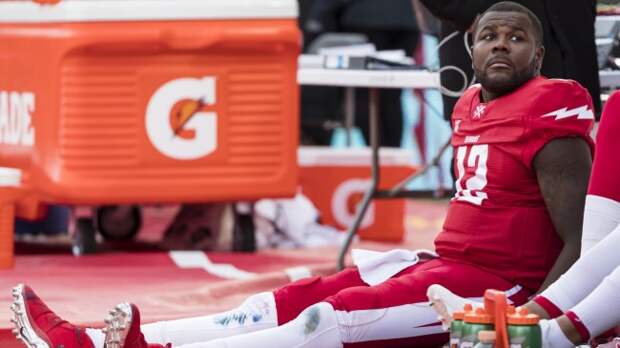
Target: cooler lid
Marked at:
26, 11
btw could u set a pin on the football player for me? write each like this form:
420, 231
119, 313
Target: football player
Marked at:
585, 301
523, 158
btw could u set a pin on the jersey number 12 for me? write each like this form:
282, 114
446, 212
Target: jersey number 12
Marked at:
469, 186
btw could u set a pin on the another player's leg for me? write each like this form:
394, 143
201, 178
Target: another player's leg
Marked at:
602, 210
259, 312
590, 318
601, 216
582, 278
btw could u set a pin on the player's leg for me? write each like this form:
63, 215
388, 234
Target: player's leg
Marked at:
572, 287
393, 314
591, 317
312, 328
259, 312
39, 327
397, 313
316, 326
602, 210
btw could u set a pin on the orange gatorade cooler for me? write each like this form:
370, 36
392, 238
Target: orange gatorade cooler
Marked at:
10, 191
140, 102
335, 180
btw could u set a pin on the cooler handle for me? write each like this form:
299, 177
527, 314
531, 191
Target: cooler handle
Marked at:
176, 39
496, 304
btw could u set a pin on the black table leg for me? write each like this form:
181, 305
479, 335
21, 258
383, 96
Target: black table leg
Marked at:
375, 170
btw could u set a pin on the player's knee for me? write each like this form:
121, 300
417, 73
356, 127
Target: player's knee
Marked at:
319, 320
317, 316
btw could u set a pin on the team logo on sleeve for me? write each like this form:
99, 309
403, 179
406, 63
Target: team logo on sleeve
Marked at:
179, 122
479, 111
582, 113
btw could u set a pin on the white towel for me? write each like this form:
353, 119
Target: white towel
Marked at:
375, 267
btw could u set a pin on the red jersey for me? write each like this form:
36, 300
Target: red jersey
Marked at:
498, 219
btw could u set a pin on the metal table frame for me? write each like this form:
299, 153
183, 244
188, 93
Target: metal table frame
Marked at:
373, 80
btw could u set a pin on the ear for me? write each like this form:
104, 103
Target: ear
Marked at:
539, 56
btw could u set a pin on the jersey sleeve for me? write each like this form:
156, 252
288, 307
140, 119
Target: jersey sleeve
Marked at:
561, 109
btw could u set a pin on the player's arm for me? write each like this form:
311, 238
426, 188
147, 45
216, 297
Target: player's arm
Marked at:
323, 15
562, 168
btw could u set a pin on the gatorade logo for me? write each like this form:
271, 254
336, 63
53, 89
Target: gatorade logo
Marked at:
178, 122
345, 200
16, 109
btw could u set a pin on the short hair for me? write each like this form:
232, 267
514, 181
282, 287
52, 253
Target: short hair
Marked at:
509, 6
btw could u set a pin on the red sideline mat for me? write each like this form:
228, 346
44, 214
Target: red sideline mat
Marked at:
177, 284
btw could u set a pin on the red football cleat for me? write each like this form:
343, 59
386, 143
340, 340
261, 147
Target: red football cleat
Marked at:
123, 329
38, 327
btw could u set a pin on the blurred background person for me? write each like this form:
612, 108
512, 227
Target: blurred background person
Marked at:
388, 25
568, 29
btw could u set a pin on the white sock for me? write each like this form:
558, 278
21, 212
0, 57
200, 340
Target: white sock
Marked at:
451, 301
445, 302
600, 217
96, 336
258, 312
600, 310
552, 335
315, 327
586, 274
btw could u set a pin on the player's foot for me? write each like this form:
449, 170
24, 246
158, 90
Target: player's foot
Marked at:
123, 328
38, 327
445, 302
